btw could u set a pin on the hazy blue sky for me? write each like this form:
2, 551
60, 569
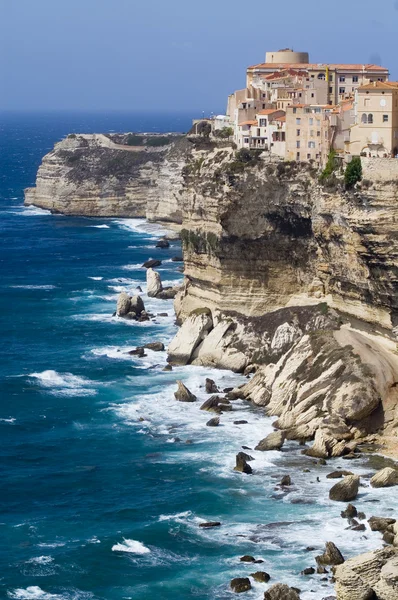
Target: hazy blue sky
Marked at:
172, 54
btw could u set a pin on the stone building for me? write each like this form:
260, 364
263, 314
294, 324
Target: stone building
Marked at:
375, 133
308, 133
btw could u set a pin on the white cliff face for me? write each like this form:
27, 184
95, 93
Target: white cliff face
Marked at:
91, 175
153, 283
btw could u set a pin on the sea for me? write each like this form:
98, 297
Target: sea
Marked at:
105, 477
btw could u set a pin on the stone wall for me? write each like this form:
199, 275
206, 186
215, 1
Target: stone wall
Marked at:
380, 169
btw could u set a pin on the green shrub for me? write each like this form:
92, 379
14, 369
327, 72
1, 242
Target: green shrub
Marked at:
158, 140
353, 172
329, 168
204, 129
224, 133
134, 140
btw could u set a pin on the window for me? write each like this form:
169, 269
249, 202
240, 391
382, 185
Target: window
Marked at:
380, 79
263, 106
298, 156
283, 136
300, 94
321, 76
385, 118
318, 133
246, 140
318, 110
263, 122
355, 79
318, 123
258, 132
342, 78
298, 121
370, 118
342, 90
366, 101
298, 132
294, 110
330, 90
312, 95
330, 77
298, 144
311, 121
364, 118
312, 133
308, 156
311, 144
263, 95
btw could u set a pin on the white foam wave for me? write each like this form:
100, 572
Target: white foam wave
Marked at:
65, 384
100, 226
33, 211
9, 420
131, 546
34, 287
33, 592
96, 278
41, 560
142, 226
177, 517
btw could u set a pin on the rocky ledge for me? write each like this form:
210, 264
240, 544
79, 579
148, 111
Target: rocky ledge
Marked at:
105, 176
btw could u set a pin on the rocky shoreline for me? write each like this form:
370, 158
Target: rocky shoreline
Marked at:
288, 282
371, 575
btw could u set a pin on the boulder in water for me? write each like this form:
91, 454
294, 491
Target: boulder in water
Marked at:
281, 591
211, 387
155, 346
153, 282
273, 441
331, 556
123, 304
241, 464
240, 584
152, 263
385, 478
137, 305
346, 489
162, 243
183, 394
214, 422
209, 524
261, 576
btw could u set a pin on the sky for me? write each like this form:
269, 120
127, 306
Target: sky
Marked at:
172, 55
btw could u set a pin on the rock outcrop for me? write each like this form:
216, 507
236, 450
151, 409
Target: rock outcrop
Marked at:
368, 576
99, 175
387, 477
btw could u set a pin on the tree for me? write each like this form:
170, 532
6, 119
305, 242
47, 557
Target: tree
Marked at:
204, 129
353, 172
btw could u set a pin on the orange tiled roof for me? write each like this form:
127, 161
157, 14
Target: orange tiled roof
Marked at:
268, 111
380, 85
318, 67
282, 119
286, 73
248, 123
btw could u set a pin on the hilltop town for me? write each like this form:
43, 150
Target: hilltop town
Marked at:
300, 111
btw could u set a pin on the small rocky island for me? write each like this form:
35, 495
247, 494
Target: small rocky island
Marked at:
290, 280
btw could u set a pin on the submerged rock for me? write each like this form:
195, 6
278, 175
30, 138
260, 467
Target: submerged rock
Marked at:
183, 394
213, 422
241, 584
286, 481
345, 490
273, 441
350, 512
163, 244
261, 576
247, 558
209, 524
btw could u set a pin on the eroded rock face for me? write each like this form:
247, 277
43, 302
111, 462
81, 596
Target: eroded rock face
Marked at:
281, 591
153, 283
191, 333
368, 576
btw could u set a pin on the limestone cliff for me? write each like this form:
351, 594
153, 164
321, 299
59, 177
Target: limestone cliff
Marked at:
299, 282
98, 175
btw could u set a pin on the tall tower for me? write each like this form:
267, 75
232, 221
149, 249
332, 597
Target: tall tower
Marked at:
287, 55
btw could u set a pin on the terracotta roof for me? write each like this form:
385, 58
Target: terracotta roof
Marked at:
380, 85
268, 111
286, 73
282, 119
248, 123
318, 67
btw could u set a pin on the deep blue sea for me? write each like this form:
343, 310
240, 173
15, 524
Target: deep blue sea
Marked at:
105, 477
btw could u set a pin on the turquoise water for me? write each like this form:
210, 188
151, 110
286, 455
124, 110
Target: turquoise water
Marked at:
101, 493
